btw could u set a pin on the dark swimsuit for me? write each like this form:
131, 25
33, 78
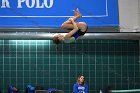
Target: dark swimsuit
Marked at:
79, 33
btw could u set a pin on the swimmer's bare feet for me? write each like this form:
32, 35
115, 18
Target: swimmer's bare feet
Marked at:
78, 13
75, 12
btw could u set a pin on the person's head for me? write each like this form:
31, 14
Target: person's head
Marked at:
81, 79
58, 39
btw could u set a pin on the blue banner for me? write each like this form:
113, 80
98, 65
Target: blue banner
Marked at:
52, 13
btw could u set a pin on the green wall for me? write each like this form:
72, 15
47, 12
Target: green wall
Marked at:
38, 62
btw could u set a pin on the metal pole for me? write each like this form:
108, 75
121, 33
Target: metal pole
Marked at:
131, 90
87, 36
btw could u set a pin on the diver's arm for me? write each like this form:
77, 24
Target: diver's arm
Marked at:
75, 28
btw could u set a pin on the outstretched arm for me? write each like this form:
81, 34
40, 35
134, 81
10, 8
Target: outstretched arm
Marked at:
75, 28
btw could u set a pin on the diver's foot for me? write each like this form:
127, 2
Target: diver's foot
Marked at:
75, 12
78, 13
